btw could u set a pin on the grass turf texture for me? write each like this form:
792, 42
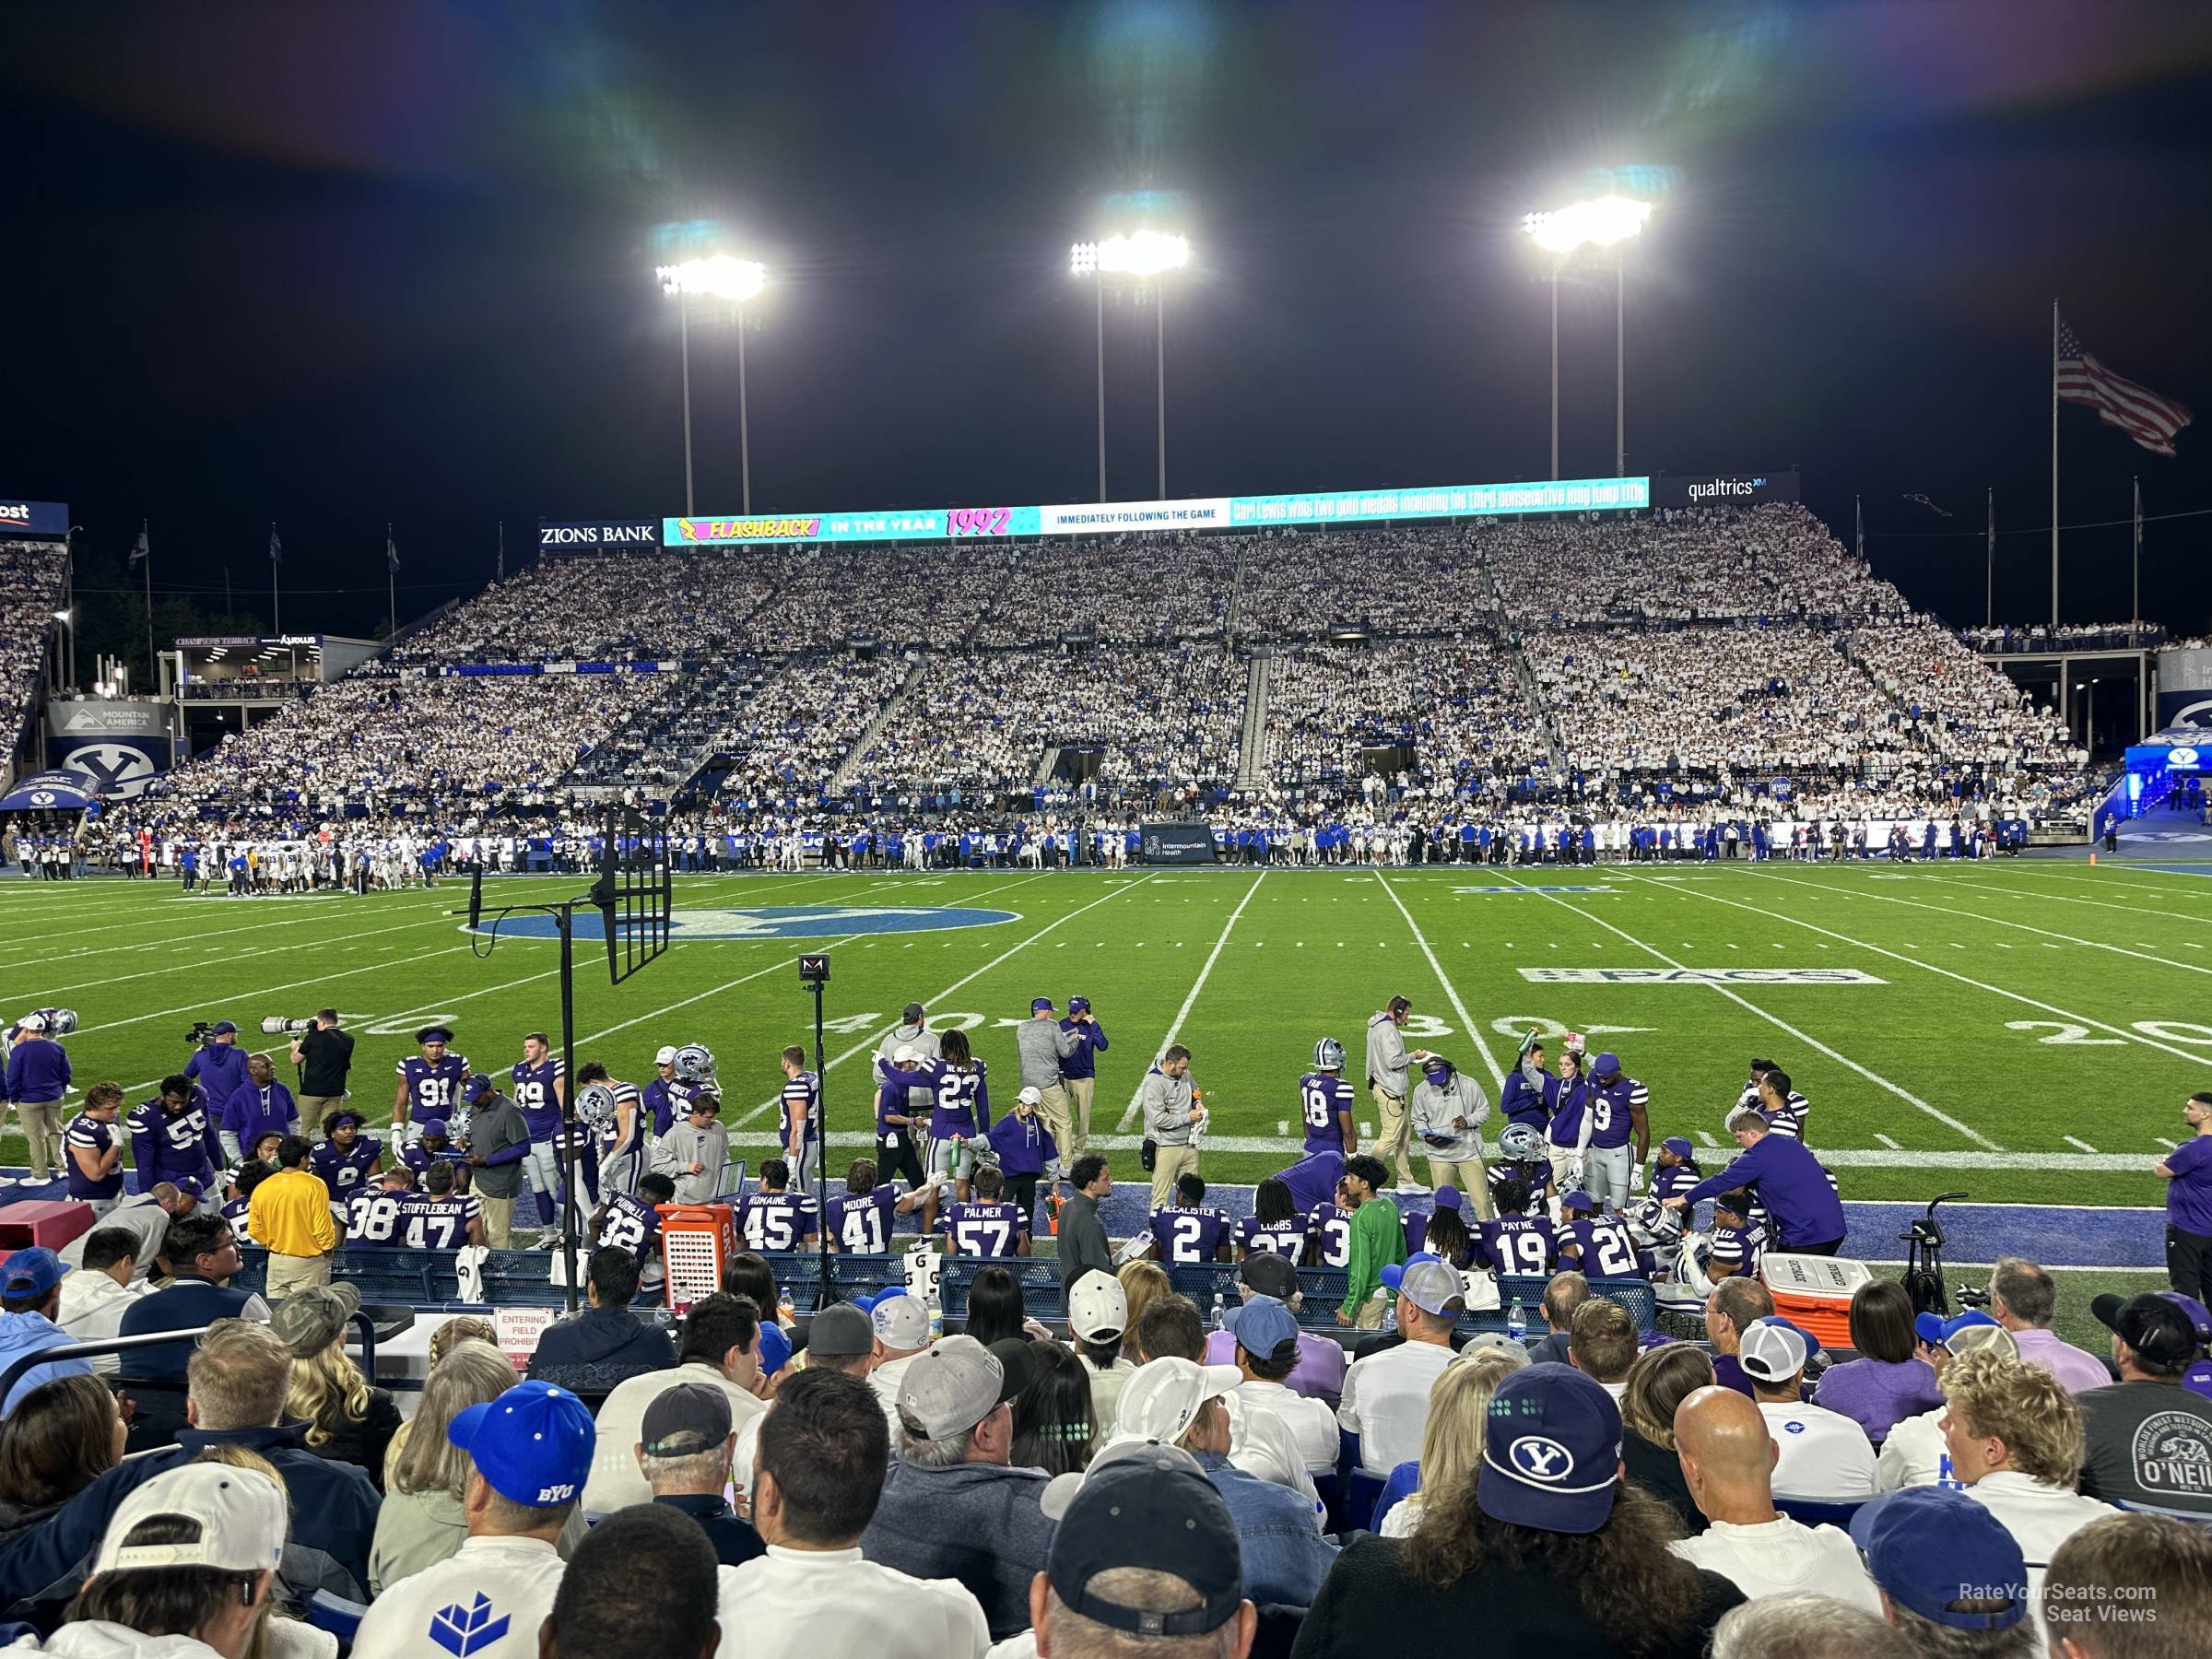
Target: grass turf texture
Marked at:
1934, 1078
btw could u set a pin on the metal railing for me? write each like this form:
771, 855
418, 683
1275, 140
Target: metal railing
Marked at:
103, 1346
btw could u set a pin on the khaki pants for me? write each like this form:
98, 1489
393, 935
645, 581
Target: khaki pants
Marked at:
498, 1219
1080, 1091
1368, 1315
43, 1129
1052, 1106
1391, 1131
1562, 1158
290, 1273
312, 1108
1171, 1162
1470, 1178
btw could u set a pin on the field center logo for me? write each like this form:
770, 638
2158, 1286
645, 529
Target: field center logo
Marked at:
783, 922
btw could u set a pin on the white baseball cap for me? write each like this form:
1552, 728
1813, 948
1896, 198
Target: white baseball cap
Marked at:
1772, 1351
1162, 1399
900, 1322
32, 1022
665, 1054
240, 1515
1032, 1097
904, 1055
1098, 1307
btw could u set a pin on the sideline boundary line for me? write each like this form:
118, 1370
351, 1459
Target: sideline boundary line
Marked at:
1466, 1020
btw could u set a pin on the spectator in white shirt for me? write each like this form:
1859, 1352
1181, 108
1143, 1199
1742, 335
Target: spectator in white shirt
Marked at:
1600, 1344
2024, 1301
530, 1452
1728, 1460
643, 1582
720, 1346
2014, 1437
1261, 1443
1823, 1454
1459, 1404
1265, 1332
1915, 1453
94, 1298
817, 1476
1386, 1394
839, 1339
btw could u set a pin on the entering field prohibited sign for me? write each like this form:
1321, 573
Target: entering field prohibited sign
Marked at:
1699, 976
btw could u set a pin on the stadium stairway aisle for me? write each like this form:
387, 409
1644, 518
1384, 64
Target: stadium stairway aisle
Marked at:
1251, 751
839, 779
1532, 695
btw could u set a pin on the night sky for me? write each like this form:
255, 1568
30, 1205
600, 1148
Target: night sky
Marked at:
336, 266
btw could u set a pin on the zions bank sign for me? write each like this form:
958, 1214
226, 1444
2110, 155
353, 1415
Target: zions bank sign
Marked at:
591, 535
1722, 489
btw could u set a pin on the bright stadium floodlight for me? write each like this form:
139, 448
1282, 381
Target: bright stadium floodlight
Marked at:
732, 281
1606, 221
1146, 253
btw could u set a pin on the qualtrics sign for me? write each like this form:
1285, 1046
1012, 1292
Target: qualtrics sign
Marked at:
1722, 489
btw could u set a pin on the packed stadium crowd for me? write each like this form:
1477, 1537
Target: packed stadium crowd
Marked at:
30, 587
1682, 1443
1456, 703
1127, 589
1957, 705
2069, 635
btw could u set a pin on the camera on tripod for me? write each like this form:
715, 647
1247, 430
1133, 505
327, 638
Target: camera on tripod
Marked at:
202, 1034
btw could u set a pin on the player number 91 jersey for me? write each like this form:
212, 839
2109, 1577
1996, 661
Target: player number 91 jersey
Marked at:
432, 1090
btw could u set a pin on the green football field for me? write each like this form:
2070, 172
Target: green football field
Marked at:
2025, 1030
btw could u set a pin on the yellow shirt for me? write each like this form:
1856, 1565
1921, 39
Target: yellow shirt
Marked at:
289, 1214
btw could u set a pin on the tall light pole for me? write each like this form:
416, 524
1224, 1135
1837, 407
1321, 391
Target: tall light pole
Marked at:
1149, 254
1604, 222
735, 281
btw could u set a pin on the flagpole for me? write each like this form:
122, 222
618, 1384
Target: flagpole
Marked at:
2053, 464
152, 664
502, 549
1858, 519
1989, 580
391, 589
276, 602
2135, 616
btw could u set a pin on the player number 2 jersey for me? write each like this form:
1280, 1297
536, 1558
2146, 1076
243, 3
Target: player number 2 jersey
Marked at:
1188, 1236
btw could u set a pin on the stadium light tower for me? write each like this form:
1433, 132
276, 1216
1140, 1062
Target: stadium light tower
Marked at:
1606, 221
1147, 256
733, 281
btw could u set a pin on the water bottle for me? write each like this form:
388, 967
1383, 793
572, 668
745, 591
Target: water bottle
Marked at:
1516, 1321
1218, 1316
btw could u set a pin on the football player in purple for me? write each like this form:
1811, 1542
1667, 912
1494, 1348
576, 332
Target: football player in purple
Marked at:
860, 1218
1329, 1227
348, 1161
1185, 1232
540, 1089
1739, 1241
1520, 1159
1327, 1100
1514, 1241
632, 1220
958, 1082
429, 1083
988, 1224
172, 1138
439, 1217
1275, 1226
775, 1218
1598, 1244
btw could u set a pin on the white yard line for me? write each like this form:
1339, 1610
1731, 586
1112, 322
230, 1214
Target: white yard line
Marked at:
1774, 916
716, 990
1466, 1020
867, 1043
1781, 1024
33, 963
2145, 956
1136, 1096
286, 987
169, 970
1885, 1141
2080, 1146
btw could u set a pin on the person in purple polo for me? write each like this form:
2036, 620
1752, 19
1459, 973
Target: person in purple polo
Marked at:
2187, 1171
1804, 1214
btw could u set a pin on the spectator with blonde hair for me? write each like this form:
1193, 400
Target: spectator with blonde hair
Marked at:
2014, 1432
1142, 1283
1452, 1439
347, 1420
421, 1521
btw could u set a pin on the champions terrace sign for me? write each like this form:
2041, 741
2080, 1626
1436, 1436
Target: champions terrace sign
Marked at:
1200, 513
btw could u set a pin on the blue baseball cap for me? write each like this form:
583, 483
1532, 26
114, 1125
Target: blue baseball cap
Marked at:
1679, 1145
1929, 1547
222, 1028
1606, 1066
434, 1126
31, 1272
1578, 1200
1935, 1330
775, 1347
477, 1087
532, 1444
1551, 1452
1263, 1326
1078, 1005
190, 1183
1041, 1005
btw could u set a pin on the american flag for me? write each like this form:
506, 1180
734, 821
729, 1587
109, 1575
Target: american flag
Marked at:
2142, 414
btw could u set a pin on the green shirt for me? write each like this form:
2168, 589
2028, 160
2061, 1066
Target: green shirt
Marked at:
1377, 1241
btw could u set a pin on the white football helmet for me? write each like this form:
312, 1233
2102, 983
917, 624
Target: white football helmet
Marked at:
1653, 1225
1683, 1283
595, 1103
1518, 1143
60, 1023
695, 1063
1328, 1055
